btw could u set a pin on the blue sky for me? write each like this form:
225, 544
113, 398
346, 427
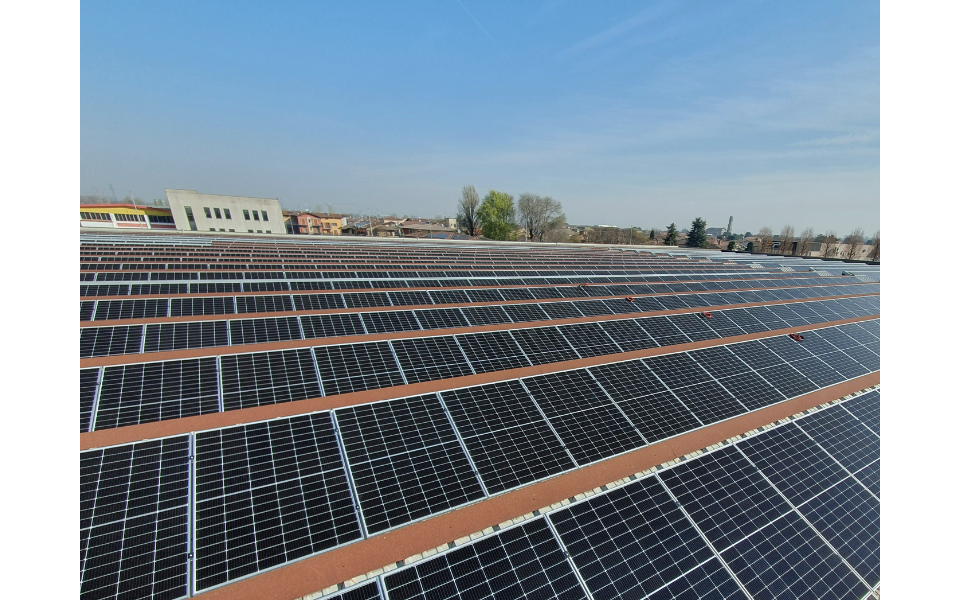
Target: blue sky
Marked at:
629, 113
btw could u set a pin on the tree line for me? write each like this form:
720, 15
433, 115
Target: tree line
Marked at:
790, 244
497, 217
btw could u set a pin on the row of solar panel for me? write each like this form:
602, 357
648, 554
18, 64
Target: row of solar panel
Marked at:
269, 493
158, 337
366, 273
105, 289
146, 392
139, 309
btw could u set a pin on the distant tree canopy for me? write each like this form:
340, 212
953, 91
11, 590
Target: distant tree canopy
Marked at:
497, 216
697, 238
671, 238
539, 215
467, 211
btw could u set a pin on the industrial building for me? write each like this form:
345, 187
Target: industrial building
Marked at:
235, 214
340, 418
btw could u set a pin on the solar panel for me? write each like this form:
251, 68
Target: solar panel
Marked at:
485, 315
865, 357
677, 370
319, 326
521, 562
300, 301
263, 378
350, 368
866, 408
449, 296
361, 300
709, 401
663, 331
787, 559
561, 310
216, 288
628, 335
525, 312
492, 351
133, 520
787, 380
426, 359
369, 591
406, 460
192, 307
592, 308
410, 298
630, 541
130, 309
587, 421
268, 493
516, 294
110, 341
260, 331
543, 345
589, 339
390, 321
793, 462
725, 495
484, 296
441, 318
709, 580
145, 393
849, 518
842, 435
88, 395
160, 337
869, 476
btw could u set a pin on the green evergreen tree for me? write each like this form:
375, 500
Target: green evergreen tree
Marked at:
671, 239
497, 216
697, 238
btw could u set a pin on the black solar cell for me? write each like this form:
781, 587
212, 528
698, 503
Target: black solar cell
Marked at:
131, 309
787, 380
410, 298
525, 312
841, 434
485, 315
319, 326
492, 351
561, 310
865, 356
663, 331
520, 562
628, 335
589, 339
263, 378
449, 296
350, 368
192, 307
725, 495
300, 302
793, 462
110, 341
709, 401
631, 541
441, 318
365, 300
406, 460
484, 296
260, 331
709, 580
787, 559
161, 337
866, 407
158, 391
133, 520
543, 345
426, 359
848, 516
390, 321
677, 370
268, 493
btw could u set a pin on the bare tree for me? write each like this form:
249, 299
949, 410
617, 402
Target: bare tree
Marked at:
855, 240
764, 240
830, 244
467, 221
875, 253
786, 240
539, 214
805, 243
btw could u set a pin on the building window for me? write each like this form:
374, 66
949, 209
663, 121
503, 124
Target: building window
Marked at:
264, 213
94, 216
259, 230
268, 231
161, 219
216, 211
190, 219
129, 217
233, 231
249, 230
226, 213
256, 216
206, 211
213, 229
222, 229
246, 216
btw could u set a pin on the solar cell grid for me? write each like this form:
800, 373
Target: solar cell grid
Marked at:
663, 331
521, 562
485, 315
628, 335
365, 300
525, 312
709, 580
787, 559
543, 345
866, 408
426, 359
350, 368
318, 326
130, 309
449, 296
793, 462
843, 436
629, 542
725, 495
484, 296
787, 380
268, 493
191, 307
561, 310
281, 303
410, 298
260, 331
441, 318
849, 518
709, 401
88, 395
677, 370
133, 520
589, 339
405, 460
145, 393
866, 356
110, 341
263, 378
390, 321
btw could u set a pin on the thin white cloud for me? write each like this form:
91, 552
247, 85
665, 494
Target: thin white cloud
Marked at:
843, 140
621, 29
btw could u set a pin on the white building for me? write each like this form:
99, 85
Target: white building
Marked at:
209, 212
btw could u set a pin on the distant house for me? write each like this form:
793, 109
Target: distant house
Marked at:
313, 223
409, 228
